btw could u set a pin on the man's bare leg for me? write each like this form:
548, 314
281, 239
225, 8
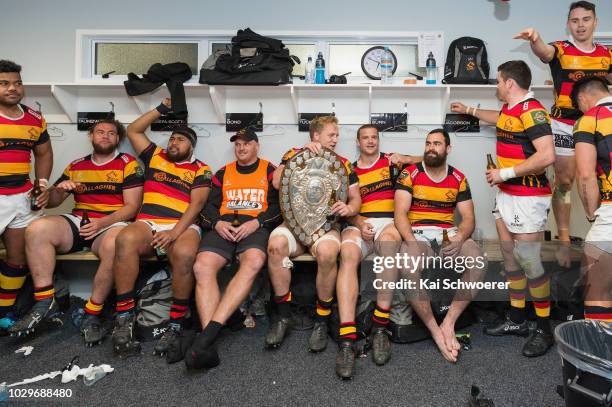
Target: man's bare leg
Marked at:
44, 238
208, 295
462, 298
13, 270
565, 168
279, 270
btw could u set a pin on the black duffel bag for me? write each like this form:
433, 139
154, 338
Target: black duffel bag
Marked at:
254, 60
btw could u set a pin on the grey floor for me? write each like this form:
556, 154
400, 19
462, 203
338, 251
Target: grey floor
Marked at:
248, 375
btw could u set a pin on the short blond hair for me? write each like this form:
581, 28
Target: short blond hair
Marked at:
318, 123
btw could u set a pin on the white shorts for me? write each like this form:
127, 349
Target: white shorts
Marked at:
428, 234
15, 212
76, 220
292, 242
600, 234
522, 214
564, 138
162, 227
379, 224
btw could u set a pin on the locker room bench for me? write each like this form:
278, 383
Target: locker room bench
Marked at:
491, 248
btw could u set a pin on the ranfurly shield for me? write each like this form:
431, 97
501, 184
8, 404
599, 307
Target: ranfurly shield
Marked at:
310, 184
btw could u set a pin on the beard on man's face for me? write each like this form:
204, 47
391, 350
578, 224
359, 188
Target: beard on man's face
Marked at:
433, 159
177, 157
103, 150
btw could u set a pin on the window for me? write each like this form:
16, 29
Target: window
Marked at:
101, 51
347, 58
124, 57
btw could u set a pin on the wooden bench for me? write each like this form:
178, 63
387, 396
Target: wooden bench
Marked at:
490, 247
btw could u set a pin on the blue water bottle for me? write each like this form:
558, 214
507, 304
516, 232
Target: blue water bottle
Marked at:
432, 73
320, 69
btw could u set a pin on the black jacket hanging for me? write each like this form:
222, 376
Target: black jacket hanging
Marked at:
173, 75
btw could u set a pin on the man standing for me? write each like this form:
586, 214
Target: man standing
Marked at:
175, 190
524, 149
23, 131
107, 185
283, 245
375, 231
240, 213
593, 138
426, 197
569, 61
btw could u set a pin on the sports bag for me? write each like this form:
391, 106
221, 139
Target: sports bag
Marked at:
466, 62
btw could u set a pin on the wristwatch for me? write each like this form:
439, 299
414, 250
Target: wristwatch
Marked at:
591, 220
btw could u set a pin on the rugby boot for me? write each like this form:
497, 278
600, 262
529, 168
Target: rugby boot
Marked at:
508, 327
124, 343
345, 360
178, 345
277, 332
381, 346
318, 339
92, 331
45, 310
538, 344
169, 335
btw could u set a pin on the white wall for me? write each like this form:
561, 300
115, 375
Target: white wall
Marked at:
40, 35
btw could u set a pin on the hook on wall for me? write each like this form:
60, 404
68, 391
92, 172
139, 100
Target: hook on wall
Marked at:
333, 108
112, 107
39, 107
200, 129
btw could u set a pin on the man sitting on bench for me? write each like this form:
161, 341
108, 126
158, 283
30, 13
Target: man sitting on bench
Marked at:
283, 245
175, 190
107, 185
425, 200
240, 214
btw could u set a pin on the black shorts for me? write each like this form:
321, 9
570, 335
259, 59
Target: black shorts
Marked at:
213, 242
78, 243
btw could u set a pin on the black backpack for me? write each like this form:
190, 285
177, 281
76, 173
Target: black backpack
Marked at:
254, 60
466, 62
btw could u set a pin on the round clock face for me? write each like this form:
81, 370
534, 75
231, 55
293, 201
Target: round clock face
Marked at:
370, 62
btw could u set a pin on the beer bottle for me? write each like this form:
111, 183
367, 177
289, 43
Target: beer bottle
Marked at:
445, 239
160, 252
490, 163
85, 218
36, 191
85, 221
235, 221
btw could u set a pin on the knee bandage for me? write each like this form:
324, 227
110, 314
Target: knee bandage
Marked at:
327, 236
560, 194
527, 254
291, 242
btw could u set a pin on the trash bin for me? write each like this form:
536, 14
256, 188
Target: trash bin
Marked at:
586, 357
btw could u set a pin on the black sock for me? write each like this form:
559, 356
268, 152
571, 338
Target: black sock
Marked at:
208, 335
283, 304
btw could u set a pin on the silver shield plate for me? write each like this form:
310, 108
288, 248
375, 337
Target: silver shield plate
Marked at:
310, 184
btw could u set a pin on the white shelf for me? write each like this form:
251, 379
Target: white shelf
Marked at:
352, 103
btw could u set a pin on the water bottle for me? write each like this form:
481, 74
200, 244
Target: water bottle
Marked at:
308, 73
320, 69
432, 73
386, 67
91, 376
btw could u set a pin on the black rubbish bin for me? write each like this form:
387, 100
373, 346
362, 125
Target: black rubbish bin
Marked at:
586, 357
